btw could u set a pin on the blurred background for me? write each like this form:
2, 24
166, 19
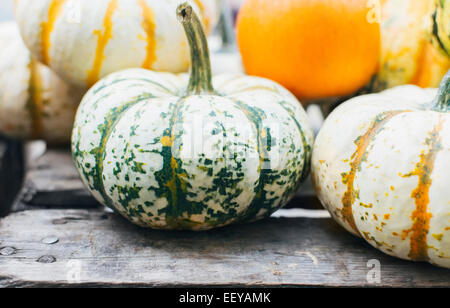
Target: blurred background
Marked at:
6, 10
221, 61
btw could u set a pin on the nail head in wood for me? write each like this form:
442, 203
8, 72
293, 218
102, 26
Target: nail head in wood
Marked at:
50, 240
46, 259
7, 251
59, 221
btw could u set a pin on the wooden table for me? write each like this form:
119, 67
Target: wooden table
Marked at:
56, 234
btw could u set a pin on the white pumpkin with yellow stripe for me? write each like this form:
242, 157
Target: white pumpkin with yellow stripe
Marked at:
84, 40
34, 102
171, 153
381, 166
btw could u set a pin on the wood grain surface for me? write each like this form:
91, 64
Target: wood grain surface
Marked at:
94, 248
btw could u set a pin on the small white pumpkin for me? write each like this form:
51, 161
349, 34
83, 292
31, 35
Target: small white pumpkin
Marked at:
34, 102
170, 153
85, 40
381, 166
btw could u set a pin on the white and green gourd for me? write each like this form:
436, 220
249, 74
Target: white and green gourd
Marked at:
177, 152
414, 36
441, 25
381, 166
84, 40
34, 102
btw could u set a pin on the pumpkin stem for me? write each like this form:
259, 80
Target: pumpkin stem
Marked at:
442, 101
201, 77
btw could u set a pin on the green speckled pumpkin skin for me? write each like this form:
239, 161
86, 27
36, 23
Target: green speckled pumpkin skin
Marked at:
171, 152
133, 144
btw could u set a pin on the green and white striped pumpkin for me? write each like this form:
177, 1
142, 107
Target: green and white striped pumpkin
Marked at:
84, 40
34, 102
171, 153
381, 166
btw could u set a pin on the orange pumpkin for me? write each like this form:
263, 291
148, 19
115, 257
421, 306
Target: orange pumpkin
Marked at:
315, 48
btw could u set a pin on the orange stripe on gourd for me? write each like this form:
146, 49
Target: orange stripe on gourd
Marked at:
358, 157
421, 217
104, 35
35, 100
423, 72
149, 26
54, 10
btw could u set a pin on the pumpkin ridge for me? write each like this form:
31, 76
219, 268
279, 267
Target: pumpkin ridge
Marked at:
129, 191
35, 102
172, 184
267, 175
113, 116
420, 217
225, 179
149, 26
103, 39
307, 153
116, 81
47, 27
170, 177
219, 218
255, 118
358, 157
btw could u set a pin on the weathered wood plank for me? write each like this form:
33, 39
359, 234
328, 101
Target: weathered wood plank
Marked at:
12, 173
53, 182
98, 249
